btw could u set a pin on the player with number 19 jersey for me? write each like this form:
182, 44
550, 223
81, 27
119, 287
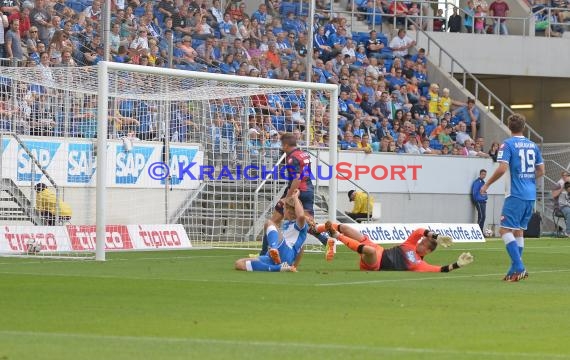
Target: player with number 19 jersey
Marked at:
523, 156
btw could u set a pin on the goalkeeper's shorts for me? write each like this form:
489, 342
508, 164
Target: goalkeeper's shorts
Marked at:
379, 251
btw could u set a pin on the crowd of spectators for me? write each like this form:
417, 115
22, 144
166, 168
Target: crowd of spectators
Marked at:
386, 103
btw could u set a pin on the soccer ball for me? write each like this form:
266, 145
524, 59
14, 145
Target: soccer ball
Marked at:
488, 232
33, 246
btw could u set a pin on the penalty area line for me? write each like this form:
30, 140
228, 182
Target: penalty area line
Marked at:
281, 344
443, 277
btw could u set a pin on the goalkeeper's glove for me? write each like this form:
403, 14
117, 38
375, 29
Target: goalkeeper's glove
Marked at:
464, 259
444, 241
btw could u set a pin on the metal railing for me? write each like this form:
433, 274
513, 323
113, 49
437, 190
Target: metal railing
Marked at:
425, 16
438, 55
547, 14
34, 163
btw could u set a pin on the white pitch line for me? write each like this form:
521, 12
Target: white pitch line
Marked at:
284, 344
40, 260
443, 277
116, 277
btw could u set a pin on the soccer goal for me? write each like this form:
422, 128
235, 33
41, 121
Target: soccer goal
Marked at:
151, 158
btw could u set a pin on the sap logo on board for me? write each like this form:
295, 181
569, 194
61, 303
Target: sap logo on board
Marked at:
81, 163
179, 157
130, 164
42, 151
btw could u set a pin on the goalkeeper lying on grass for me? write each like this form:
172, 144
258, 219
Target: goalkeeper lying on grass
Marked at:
408, 256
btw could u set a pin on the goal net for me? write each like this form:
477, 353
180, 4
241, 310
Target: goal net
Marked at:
187, 158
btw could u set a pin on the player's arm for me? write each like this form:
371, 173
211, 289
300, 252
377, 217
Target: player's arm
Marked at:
299, 211
294, 186
539, 170
500, 171
414, 237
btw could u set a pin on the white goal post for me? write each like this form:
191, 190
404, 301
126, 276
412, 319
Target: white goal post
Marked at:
201, 85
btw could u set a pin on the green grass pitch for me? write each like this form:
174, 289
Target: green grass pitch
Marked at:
193, 305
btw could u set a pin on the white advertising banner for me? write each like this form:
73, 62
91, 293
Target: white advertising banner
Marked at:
159, 237
398, 233
73, 162
14, 239
78, 238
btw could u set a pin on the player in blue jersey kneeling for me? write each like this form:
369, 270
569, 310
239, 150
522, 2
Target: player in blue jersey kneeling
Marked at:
285, 246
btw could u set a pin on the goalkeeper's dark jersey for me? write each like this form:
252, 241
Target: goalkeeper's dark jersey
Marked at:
405, 258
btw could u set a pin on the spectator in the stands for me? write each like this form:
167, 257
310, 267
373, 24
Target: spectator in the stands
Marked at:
499, 10
348, 143
420, 109
439, 22
384, 105
469, 114
444, 138
493, 151
13, 42
446, 102
425, 149
454, 22
479, 20
469, 13
461, 134
401, 44
41, 19
374, 46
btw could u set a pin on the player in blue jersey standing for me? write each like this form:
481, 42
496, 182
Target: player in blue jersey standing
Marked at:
521, 159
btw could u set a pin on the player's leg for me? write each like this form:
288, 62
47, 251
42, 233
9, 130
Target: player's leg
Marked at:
270, 241
510, 221
526, 213
262, 263
307, 199
354, 240
276, 219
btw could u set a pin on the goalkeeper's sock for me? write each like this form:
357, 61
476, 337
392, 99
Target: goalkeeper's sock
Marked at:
513, 251
321, 228
349, 242
256, 265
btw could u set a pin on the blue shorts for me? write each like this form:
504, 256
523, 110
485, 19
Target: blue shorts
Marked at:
286, 253
307, 199
516, 213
